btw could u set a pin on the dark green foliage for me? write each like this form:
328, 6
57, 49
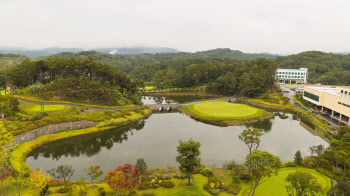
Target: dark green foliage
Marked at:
101, 191
246, 177
83, 91
233, 188
214, 191
343, 188
148, 194
302, 183
298, 160
45, 190
167, 184
325, 68
141, 165
214, 179
188, 156
48, 70
290, 164
197, 170
207, 172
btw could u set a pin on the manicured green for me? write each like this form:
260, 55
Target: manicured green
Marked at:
275, 185
224, 110
48, 108
149, 88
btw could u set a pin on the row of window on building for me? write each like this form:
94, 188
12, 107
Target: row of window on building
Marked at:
292, 73
281, 76
344, 92
344, 104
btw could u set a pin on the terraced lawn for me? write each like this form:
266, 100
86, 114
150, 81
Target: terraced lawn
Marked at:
224, 110
275, 185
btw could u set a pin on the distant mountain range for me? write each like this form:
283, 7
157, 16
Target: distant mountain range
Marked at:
35, 53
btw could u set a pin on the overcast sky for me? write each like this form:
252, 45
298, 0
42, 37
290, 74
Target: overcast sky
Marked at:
275, 26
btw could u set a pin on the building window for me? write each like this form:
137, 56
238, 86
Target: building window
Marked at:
346, 92
341, 91
311, 96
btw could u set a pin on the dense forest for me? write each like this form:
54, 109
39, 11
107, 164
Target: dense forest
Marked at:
325, 68
32, 75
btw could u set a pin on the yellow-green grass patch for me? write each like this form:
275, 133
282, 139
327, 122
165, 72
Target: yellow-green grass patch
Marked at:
48, 108
276, 185
224, 110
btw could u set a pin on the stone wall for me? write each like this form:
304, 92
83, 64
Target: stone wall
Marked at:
50, 129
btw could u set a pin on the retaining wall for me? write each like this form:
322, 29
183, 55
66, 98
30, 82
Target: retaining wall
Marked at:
50, 129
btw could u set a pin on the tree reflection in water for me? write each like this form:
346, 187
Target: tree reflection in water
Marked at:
87, 145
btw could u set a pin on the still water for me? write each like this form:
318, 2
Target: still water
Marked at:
170, 99
155, 139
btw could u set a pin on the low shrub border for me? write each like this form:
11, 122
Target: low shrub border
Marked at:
20, 152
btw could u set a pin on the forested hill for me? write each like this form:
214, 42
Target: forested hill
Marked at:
7, 60
219, 52
127, 63
325, 68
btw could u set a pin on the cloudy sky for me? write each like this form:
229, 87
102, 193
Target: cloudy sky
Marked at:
276, 26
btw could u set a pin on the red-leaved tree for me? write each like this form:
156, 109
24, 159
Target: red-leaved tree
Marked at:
125, 176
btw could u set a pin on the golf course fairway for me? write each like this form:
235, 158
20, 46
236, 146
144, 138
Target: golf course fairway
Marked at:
223, 110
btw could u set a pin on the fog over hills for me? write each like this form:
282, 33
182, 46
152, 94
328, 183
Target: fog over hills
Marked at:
35, 53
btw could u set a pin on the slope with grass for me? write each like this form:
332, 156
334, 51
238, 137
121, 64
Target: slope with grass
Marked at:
275, 185
224, 113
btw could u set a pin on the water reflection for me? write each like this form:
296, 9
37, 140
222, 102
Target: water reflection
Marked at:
170, 99
156, 138
88, 145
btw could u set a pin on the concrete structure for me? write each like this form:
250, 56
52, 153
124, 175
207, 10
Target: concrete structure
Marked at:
50, 129
292, 76
334, 101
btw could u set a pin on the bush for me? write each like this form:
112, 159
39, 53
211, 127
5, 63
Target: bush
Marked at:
148, 194
132, 193
290, 164
45, 190
214, 191
207, 172
214, 179
197, 170
233, 188
101, 191
309, 162
230, 165
145, 185
324, 172
167, 184
246, 177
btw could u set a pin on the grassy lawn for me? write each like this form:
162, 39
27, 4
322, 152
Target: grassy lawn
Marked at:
48, 108
149, 88
275, 185
272, 186
224, 110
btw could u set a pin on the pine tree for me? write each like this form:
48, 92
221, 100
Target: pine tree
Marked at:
297, 158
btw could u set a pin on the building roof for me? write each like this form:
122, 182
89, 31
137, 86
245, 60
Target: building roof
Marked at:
290, 70
330, 90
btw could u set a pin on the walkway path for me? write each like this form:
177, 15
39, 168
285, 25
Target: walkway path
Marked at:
153, 106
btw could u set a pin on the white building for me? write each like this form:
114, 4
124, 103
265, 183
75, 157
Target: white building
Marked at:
292, 76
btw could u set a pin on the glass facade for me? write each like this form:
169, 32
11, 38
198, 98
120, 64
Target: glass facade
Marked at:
312, 96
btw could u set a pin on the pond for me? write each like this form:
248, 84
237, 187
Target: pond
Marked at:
171, 99
155, 139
